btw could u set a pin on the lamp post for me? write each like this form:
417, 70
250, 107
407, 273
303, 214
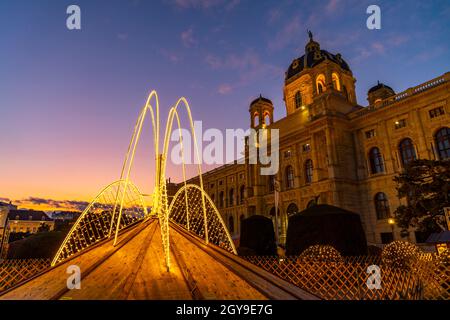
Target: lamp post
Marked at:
391, 222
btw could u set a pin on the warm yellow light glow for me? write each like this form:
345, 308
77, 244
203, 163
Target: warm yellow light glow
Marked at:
391, 221
98, 223
336, 81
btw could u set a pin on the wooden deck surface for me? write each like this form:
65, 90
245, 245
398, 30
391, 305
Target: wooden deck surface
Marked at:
135, 270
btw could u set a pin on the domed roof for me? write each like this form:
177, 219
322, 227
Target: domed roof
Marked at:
312, 57
261, 98
380, 86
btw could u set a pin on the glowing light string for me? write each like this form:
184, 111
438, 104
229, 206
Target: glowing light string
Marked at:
118, 204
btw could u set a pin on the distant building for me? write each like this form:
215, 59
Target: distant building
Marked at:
8, 205
28, 220
334, 151
4, 231
65, 215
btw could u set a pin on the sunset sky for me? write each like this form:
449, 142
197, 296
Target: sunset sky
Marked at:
69, 99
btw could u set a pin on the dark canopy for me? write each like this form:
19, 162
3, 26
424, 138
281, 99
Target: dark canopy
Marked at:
326, 225
257, 236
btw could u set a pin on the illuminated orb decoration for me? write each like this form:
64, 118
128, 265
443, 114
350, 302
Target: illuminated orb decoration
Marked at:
443, 258
320, 253
400, 254
99, 220
186, 209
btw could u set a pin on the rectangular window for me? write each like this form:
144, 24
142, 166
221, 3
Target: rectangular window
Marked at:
287, 154
212, 185
306, 147
436, 112
220, 182
400, 123
370, 134
386, 237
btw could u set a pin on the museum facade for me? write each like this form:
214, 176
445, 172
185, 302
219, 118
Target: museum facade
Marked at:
334, 151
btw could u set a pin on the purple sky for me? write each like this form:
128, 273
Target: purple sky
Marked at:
69, 99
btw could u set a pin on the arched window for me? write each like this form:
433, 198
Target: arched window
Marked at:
298, 100
289, 177
376, 161
255, 119
221, 199
344, 90
320, 83
308, 171
291, 209
231, 197
407, 151
311, 203
442, 140
336, 82
266, 118
231, 224
382, 206
242, 194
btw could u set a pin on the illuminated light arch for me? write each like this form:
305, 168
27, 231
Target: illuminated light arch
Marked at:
96, 221
119, 213
193, 218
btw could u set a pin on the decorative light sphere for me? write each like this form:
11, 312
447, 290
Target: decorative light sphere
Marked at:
444, 258
400, 254
322, 253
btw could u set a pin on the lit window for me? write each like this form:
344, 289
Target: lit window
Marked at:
320, 83
306, 147
400, 124
370, 134
287, 154
336, 82
436, 112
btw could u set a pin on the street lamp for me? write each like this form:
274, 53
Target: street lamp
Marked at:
391, 222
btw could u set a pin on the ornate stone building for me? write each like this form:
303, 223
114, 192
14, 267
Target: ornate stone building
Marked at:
333, 150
